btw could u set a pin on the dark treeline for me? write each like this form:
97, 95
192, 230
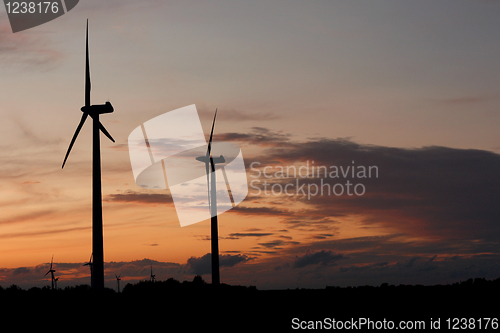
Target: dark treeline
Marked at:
198, 304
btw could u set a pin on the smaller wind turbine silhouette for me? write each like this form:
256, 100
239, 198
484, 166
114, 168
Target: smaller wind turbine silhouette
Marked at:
90, 265
55, 282
212, 203
152, 277
118, 281
51, 271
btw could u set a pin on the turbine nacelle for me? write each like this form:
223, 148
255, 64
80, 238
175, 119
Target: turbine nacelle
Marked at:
215, 160
98, 109
50, 271
89, 263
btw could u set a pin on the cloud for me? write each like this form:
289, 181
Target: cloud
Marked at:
21, 271
258, 136
430, 191
238, 235
41, 232
26, 49
397, 258
357, 261
371, 261
465, 100
27, 217
141, 269
324, 258
30, 182
239, 116
364, 267
146, 198
427, 204
271, 211
277, 244
202, 265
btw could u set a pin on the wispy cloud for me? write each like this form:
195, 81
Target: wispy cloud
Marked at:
26, 50
258, 136
465, 100
238, 235
202, 265
139, 198
25, 234
238, 115
27, 217
322, 257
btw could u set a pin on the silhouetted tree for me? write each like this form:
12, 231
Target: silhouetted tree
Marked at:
198, 280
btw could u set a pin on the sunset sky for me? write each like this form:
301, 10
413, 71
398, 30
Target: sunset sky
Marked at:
411, 87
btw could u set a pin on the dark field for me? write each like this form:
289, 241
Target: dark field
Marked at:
191, 306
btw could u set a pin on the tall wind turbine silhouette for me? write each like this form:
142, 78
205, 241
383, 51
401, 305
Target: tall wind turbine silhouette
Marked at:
94, 111
212, 203
51, 271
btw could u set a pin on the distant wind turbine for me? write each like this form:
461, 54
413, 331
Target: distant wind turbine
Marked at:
89, 263
212, 203
51, 271
94, 111
118, 281
152, 277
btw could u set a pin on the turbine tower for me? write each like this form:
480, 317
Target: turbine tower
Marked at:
212, 203
94, 111
51, 271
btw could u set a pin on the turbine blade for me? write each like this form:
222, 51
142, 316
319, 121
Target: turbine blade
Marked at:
87, 69
228, 187
208, 162
208, 185
101, 127
80, 125
211, 135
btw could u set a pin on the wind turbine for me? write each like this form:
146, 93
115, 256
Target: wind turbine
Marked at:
90, 265
152, 277
212, 203
94, 111
118, 281
51, 271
